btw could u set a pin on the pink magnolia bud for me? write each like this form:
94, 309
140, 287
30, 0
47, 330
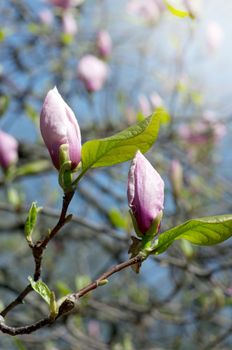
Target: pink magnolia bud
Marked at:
144, 105
46, 16
64, 4
214, 35
69, 23
58, 127
156, 100
176, 177
145, 192
104, 43
148, 10
93, 72
8, 150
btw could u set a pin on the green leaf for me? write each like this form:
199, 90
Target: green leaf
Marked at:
31, 220
53, 307
122, 146
49, 296
33, 167
42, 289
117, 219
66, 39
175, 11
165, 117
32, 113
13, 197
4, 104
204, 231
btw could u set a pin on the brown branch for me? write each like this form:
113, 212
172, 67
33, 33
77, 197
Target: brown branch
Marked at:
138, 259
37, 251
69, 303
17, 301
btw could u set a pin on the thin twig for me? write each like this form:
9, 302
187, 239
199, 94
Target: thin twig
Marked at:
37, 251
68, 305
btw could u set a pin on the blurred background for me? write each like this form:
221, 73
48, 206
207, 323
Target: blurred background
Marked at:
114, 63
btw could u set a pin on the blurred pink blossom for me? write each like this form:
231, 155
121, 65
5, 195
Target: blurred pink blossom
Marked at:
94, 329
69, 23
144, 105
176, 177
148, 10
46, 16
202, 131
148, 104
130, 115
156, 100
104, 43
8, 150
214, 35
93, 72
64, 4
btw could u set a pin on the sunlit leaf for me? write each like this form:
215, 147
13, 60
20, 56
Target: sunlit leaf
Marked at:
122, 146
4, 103
33, 167
117, 219
13, 197
32, 113
31, 221
175, 11
204, 231
42, 289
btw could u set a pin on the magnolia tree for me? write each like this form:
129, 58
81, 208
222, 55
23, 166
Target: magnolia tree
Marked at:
62, 136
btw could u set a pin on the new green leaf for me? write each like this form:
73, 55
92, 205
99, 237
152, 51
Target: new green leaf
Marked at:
122, 146
175, 11
42, 289
204, 231
49, 296
31, 221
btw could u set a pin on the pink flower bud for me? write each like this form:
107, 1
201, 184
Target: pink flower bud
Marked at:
69, 23
144, 105
8, 150
156, 100
93, 72
58, 127
46, 16
64, 4
176, 177
148, 10
145, 192
214, 35
104, 43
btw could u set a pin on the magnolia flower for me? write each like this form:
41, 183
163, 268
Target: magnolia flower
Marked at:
156, 100
69, 23
148, 10
64, 4
176, 177
8, 150
46, 16
214, 35
208, 129
145, 193
58, 127
93, 72
144, 105
104, 43
148, 104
